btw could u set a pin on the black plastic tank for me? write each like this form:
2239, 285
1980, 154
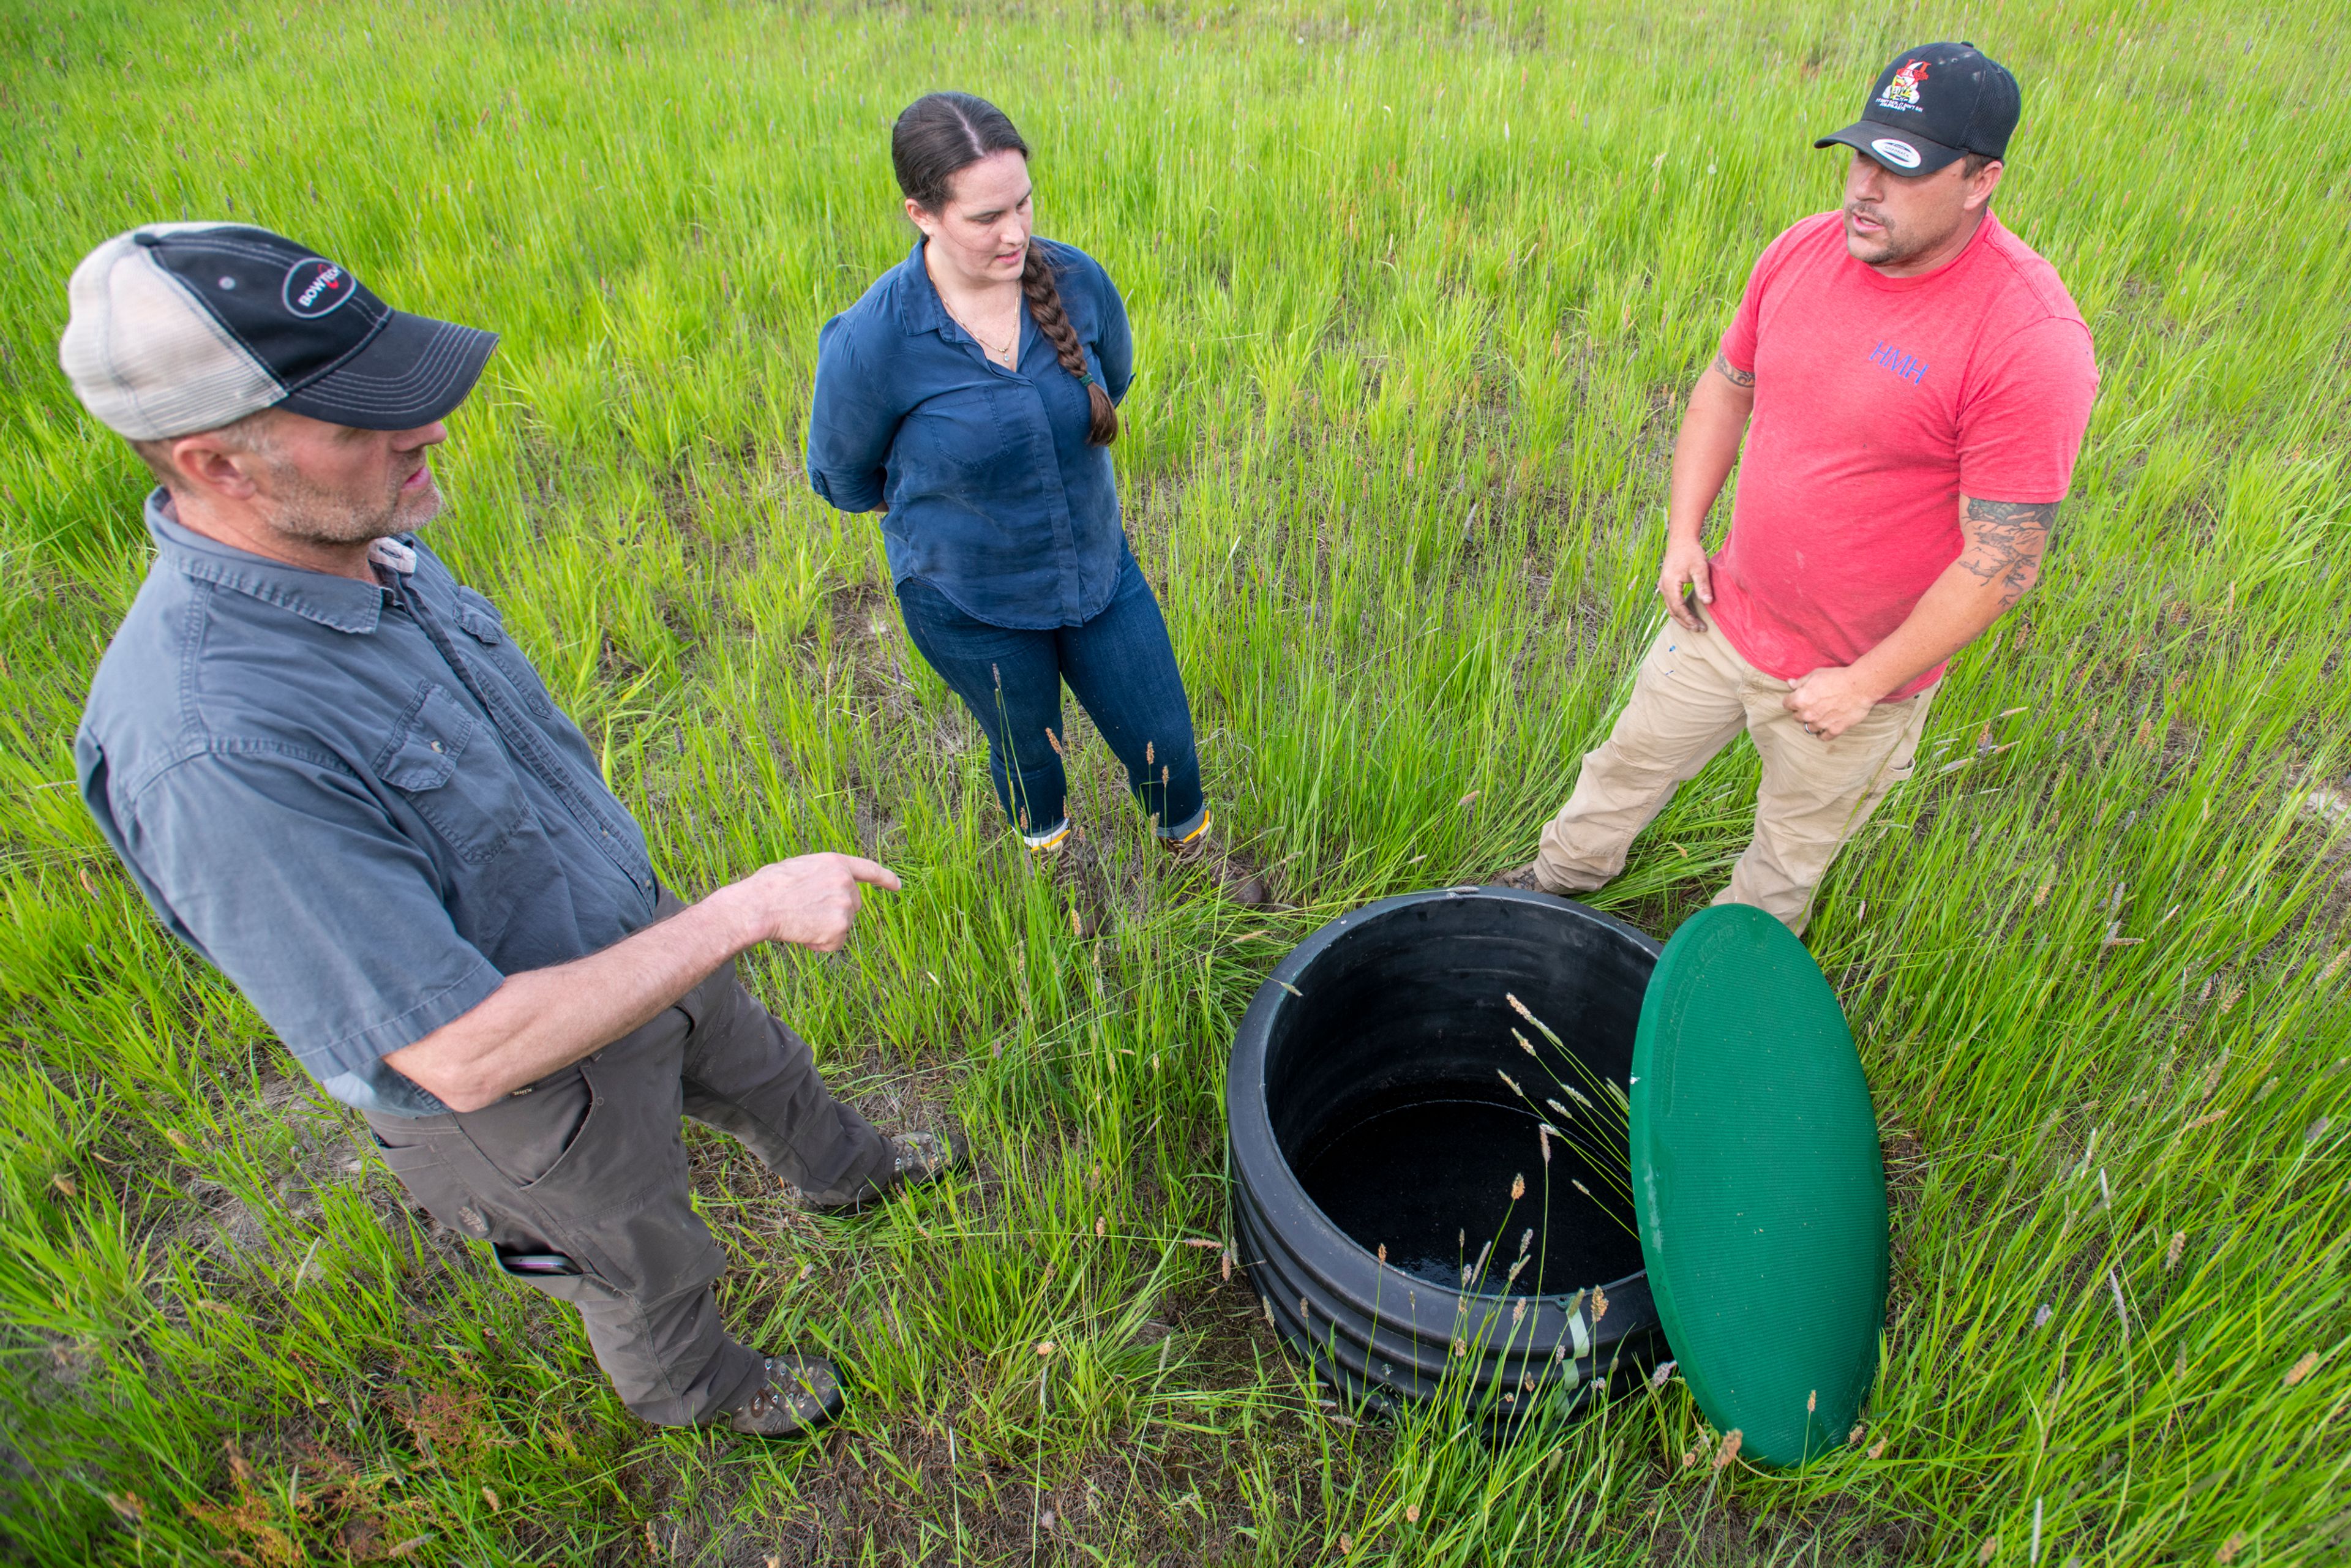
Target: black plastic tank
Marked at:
1422, 1177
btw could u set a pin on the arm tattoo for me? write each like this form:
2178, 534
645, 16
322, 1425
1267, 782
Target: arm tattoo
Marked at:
1732, 373
2005, 539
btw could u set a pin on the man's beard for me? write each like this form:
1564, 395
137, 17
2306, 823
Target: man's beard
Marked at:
1893, 246
316, 515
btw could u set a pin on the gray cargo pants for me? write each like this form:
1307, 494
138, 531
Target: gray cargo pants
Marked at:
579, 1185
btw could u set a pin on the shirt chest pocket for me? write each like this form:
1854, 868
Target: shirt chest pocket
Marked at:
963, 431
446, 760
478, 618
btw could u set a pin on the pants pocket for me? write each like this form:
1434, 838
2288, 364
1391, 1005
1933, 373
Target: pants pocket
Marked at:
1904, 758
525, 1137
649, 1249
430, 1183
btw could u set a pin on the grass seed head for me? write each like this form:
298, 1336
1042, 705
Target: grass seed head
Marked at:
1729, 1450
1517, 1187
2301, 1369
2171, 1254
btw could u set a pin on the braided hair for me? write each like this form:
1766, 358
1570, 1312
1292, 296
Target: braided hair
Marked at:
938, 136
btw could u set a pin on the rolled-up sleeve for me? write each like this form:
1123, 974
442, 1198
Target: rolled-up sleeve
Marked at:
294, 882
851, 423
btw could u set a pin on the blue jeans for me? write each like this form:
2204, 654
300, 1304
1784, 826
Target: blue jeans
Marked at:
1121, 668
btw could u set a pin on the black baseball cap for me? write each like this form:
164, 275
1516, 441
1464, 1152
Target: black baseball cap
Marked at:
184, 327
1934, 105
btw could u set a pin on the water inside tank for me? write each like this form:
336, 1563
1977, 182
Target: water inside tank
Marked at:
1431, 1180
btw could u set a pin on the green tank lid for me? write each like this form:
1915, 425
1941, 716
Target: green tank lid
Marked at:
1758, 1185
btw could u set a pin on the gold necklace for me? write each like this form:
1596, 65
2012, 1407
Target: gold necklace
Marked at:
1002, 356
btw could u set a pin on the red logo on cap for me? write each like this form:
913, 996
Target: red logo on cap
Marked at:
315, 285
1902, 92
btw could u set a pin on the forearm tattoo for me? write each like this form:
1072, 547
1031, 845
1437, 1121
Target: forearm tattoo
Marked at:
2005, 540
1732, 373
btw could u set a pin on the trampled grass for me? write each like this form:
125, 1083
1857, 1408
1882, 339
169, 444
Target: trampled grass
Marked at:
1416, 293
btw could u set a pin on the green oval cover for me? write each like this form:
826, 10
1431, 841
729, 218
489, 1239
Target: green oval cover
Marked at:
1758, 1184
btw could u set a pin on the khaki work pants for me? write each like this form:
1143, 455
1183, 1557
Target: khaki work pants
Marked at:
1693, 695
579, 1185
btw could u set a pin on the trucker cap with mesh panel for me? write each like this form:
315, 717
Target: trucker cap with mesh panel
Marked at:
182, 327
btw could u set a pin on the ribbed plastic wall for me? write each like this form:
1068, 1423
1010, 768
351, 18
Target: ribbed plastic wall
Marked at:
1409, 996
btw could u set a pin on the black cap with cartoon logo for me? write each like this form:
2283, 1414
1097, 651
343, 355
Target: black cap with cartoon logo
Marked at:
1933, 105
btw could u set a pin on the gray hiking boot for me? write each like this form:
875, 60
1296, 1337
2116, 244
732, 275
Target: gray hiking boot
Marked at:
916, 1157
801, 1393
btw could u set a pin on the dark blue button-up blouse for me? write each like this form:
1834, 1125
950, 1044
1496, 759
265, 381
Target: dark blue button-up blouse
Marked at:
995, 498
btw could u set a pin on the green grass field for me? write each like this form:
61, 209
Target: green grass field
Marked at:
1417, 291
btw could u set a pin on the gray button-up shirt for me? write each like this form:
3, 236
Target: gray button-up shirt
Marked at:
355, 799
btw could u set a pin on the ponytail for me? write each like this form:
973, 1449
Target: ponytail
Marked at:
1043, 293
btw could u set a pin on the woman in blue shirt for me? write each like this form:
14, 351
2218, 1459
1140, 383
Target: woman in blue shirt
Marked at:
971, 397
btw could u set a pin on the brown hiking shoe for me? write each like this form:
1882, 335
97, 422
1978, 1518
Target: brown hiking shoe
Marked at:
1194, 845
916, 1157
1242, 885
1523, 878
801, 1393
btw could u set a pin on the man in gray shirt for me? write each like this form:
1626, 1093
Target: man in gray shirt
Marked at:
334, 775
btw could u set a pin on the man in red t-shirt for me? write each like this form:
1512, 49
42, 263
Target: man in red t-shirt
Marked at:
1912, 383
